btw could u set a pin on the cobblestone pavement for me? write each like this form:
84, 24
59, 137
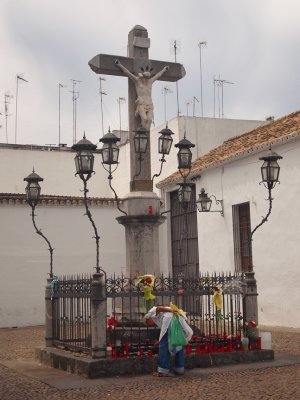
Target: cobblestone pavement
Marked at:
20, 376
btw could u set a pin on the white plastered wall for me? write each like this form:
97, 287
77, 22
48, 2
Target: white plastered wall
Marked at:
56, 167
25, 258
276, 250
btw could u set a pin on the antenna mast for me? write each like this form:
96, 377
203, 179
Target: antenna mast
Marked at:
101, 101
220, 84
60, 85
200, 45
188, 103
75, 96
175, 47
194, 100
120, 100
165, 91
7, 96
16, 116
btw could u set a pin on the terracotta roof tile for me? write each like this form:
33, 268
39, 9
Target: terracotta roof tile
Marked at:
284, 128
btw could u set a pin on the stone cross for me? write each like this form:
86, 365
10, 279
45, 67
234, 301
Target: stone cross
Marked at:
138, 61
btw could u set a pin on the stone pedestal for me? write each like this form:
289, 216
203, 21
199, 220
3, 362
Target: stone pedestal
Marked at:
141, 232
49, 314
250, 300
98, 315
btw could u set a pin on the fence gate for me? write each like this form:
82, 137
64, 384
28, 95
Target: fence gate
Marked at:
184, 237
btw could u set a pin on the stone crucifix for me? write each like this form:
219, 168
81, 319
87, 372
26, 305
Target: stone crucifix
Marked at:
139, 69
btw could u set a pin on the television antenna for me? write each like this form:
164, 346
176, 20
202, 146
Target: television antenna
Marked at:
165, 91
219, 84
7, 97
101, 93
200, 45
18, 78
188, 103
176, 49
194, 101
60, 85
75, 96
120, 100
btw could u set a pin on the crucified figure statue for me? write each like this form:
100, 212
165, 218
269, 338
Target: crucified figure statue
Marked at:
143, 86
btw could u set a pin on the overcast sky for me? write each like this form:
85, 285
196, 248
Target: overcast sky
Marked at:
255, 44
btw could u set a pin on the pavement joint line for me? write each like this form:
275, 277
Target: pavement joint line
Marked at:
63, 380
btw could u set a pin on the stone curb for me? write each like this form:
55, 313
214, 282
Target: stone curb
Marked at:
103, 368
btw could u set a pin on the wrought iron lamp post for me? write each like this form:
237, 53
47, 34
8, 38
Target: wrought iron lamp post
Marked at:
204, 203
33, 191
110, 157
270, 176
84, 162
164, 146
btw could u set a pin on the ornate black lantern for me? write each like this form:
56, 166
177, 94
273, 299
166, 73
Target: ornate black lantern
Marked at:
270, 169
164, 146
184, 156
184, 194
33, 189
110, 157
204, 202
141, 140
270, 176
165, 141
110, 150
84, 159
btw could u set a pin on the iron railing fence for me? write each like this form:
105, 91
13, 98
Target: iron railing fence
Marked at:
72, 312
127, 305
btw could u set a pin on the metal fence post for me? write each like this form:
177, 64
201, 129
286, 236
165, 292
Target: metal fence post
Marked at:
98, 315
250, 300
48, 314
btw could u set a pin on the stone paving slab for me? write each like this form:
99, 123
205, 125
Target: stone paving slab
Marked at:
63, 380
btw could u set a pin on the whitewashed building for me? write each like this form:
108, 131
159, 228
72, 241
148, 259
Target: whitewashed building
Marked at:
231, 172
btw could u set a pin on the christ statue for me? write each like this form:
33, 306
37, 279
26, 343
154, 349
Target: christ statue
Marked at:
143, 85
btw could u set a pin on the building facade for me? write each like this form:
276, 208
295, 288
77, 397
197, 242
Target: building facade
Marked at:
231, 172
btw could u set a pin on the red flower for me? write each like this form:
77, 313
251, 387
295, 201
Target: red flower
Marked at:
180, 292
112, 321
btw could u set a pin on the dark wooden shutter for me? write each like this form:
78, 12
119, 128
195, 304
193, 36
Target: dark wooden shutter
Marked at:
241, 237
184, 237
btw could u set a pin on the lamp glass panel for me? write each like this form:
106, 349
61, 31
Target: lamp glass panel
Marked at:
187, 194
110, 153
184, 194
140, 142
274, 170
164, 144
184, 159
33, 191
270, 171
85, 162
204, 204
114, 153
